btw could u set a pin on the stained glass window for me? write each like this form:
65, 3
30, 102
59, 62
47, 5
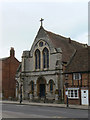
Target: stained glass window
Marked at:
37, 59
51, 85
45, 58
41, 44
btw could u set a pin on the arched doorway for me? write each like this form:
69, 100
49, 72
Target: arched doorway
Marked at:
41, 86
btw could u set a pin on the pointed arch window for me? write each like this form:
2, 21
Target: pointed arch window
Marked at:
32, 86
51, 85
37, 59
45, 58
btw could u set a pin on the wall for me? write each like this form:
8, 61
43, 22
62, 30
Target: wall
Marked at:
85, 83
9, 67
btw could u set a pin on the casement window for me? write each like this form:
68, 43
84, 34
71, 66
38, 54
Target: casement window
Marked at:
73, 93
76, 76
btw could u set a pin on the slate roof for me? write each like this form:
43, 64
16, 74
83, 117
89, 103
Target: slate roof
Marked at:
67, 45
73, 52
79, 62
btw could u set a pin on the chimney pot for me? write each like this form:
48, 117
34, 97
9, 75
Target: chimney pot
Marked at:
12, 52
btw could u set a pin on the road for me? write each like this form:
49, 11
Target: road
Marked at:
28, 111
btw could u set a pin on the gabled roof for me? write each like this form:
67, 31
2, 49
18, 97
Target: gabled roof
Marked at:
79, 62
67, 45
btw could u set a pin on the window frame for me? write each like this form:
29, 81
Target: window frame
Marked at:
51, 86
45, 58
71, 93
76, 76
37, 59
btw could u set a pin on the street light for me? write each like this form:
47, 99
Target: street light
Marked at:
17, 85
21, 78
66, 85
21, 94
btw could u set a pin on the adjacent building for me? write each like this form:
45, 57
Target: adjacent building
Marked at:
8, 68
77, 78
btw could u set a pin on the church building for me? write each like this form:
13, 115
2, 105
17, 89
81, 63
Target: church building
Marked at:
40, 74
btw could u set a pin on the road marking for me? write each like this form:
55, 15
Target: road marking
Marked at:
20, 105
58, 117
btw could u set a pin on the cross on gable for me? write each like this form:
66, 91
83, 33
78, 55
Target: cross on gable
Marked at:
41, 21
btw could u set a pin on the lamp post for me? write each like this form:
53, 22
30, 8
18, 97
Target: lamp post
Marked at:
21, 94
21, 78
66, 86
16, 90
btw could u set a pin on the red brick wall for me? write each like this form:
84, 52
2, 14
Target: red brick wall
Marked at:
9, 67
85, 84
0, 76
74, 101
89, 87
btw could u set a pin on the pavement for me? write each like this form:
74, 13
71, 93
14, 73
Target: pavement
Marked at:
85, 107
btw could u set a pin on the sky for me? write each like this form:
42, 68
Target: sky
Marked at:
20, 22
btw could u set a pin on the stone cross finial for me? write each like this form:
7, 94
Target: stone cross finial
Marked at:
41, 21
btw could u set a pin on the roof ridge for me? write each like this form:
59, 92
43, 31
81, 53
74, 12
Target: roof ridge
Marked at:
64, 37
56, 34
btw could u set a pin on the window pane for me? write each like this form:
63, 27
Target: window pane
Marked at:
37, 59
68, 93
71, 93
79, 76
76, 93
41, 44
51, 86
76, 76
45, 58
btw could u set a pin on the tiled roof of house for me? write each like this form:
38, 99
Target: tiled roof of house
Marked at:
79, 62
67, 45
1, 59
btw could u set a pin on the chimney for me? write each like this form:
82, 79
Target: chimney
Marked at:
69, 40
12, 52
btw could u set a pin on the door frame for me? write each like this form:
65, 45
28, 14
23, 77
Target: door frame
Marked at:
40, 80
84, 95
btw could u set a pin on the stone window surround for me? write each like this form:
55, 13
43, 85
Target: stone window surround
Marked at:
41, 52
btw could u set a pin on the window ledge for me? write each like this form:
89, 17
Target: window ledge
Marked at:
73, 97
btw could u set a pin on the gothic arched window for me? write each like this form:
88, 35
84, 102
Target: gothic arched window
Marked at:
51, 85
45, 58
32, 86
37, 59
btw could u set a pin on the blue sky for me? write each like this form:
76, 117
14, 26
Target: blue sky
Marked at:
19, 22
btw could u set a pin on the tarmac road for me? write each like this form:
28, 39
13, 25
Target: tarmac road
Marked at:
28, 111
